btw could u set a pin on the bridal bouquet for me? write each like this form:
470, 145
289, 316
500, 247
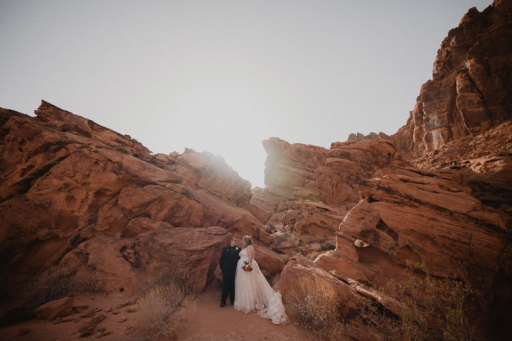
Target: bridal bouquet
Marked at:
247, 267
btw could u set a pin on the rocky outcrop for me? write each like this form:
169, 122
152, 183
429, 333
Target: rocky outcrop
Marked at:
299, 173
303, 280
471, 88
372, 136
446, 204
126, 265
421, 218
483, 162
65, 180
309, 190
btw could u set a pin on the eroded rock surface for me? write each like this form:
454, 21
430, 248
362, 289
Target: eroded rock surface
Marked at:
471, 89
66, 182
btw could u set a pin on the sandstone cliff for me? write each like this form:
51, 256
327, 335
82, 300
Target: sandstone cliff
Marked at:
438, 192
471, 88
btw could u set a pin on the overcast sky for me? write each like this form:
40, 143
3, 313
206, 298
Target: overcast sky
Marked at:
222, 76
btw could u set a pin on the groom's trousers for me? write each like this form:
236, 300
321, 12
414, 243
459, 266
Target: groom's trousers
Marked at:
228, 288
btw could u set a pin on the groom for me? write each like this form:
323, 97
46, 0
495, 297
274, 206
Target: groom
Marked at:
228, 261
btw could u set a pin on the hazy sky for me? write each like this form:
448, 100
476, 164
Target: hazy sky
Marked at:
222, 76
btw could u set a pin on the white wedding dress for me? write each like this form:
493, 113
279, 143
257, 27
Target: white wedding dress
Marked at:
253, 293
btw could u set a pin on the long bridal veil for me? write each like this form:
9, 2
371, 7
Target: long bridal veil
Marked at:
254, 293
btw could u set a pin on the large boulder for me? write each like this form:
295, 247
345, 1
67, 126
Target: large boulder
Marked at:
303, 279
190, 255
54, 309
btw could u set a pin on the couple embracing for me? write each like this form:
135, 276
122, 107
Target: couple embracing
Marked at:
242, 275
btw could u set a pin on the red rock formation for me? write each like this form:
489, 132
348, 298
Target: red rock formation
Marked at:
471, 89
301, 274
308, 173
299, 217
100, 203
127, 264
448, 204
65, 180
422, 218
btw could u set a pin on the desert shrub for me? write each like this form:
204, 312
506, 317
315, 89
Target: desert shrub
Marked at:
328, 247
163, 302
285, 258
313, 197
187, 193
281, 237
158, 308
432, 309
312, 255
315, 306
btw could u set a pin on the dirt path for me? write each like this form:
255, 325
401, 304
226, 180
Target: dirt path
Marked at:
209, 322
204, 321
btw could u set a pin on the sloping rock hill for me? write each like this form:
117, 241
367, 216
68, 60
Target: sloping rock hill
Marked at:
82, 200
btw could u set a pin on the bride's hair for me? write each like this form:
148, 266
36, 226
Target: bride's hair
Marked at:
248, 240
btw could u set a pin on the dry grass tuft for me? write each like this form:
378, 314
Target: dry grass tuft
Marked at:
315, 305
432, 309
163, 304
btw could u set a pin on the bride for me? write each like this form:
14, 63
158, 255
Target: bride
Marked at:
252, 291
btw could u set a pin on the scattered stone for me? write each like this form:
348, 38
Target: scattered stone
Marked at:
56, 321
66, 319
115, 311
122, 305
53, 309
97, 319
129, 330
79, 309
88, 313
88, 331
132, 310
103, 334
98, 310
123, 320
109, 310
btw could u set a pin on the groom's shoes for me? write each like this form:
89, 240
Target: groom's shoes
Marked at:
222, 305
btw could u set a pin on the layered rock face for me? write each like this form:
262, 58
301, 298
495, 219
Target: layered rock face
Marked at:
471, 89
452, 216
310, 189
445, 204
66, 182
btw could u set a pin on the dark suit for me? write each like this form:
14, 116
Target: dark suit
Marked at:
228, 261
